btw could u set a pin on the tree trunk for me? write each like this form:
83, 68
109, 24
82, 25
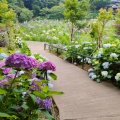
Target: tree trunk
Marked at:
71, 34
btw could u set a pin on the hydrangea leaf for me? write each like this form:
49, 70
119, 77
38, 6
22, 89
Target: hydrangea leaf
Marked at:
33, 97
50, 93
2, 91
53, 76
39, 94
47, 114
24, 106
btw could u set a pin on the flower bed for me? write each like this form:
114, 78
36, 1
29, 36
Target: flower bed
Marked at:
25, 87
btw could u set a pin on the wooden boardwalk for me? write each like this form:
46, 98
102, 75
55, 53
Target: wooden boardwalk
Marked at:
84, 99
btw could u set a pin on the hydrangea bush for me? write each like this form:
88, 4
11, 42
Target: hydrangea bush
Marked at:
76, 51
106, 63
25, 90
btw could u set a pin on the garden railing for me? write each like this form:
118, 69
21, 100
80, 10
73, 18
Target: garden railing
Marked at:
50, 47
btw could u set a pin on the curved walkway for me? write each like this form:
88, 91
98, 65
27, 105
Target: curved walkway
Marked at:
84, 99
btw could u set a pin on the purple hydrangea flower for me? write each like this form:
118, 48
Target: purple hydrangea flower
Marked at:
6, 70
33, 75
2, 83
38, 100
21, 61
11, 76
46, 104
47, 66
1, 64
35, 85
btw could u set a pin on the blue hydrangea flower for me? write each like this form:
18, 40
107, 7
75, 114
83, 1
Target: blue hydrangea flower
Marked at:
3, 55
91, 74
106, 65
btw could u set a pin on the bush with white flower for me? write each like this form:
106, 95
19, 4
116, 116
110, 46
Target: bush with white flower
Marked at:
76, 50
106, 62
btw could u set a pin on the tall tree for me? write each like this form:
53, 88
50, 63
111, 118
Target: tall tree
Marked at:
7, 16
117, 21
98, 26
75, 10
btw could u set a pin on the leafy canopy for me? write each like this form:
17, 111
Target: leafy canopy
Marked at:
75, 10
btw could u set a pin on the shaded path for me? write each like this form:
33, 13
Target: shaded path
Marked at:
84, 99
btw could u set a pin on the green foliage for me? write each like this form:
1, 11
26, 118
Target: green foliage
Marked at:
117, 21
25, 15
98, 4
75, 10
54, 32
92, 14
37, 6
56, 12
19, 95
75, 51
98, 26
7, 16
81, 24
106, 60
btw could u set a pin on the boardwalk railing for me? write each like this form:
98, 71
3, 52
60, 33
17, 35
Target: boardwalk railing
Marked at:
50, 47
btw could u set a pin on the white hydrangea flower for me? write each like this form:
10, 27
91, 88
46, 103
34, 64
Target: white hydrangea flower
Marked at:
106, 65
99, 55
42, 34
106, 45
50, 85
76, 42
117, 77
75, 63
86, 43
18, 52
21, 72
77, 46
40, 60
118, 74
95, 56
43, 31
87, 59
114, 55
53, 29
94, 76
78, 57
104, 73
23, 93
55, 38
32, 56
90, 70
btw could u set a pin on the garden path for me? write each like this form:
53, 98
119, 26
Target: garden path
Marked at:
83, 99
